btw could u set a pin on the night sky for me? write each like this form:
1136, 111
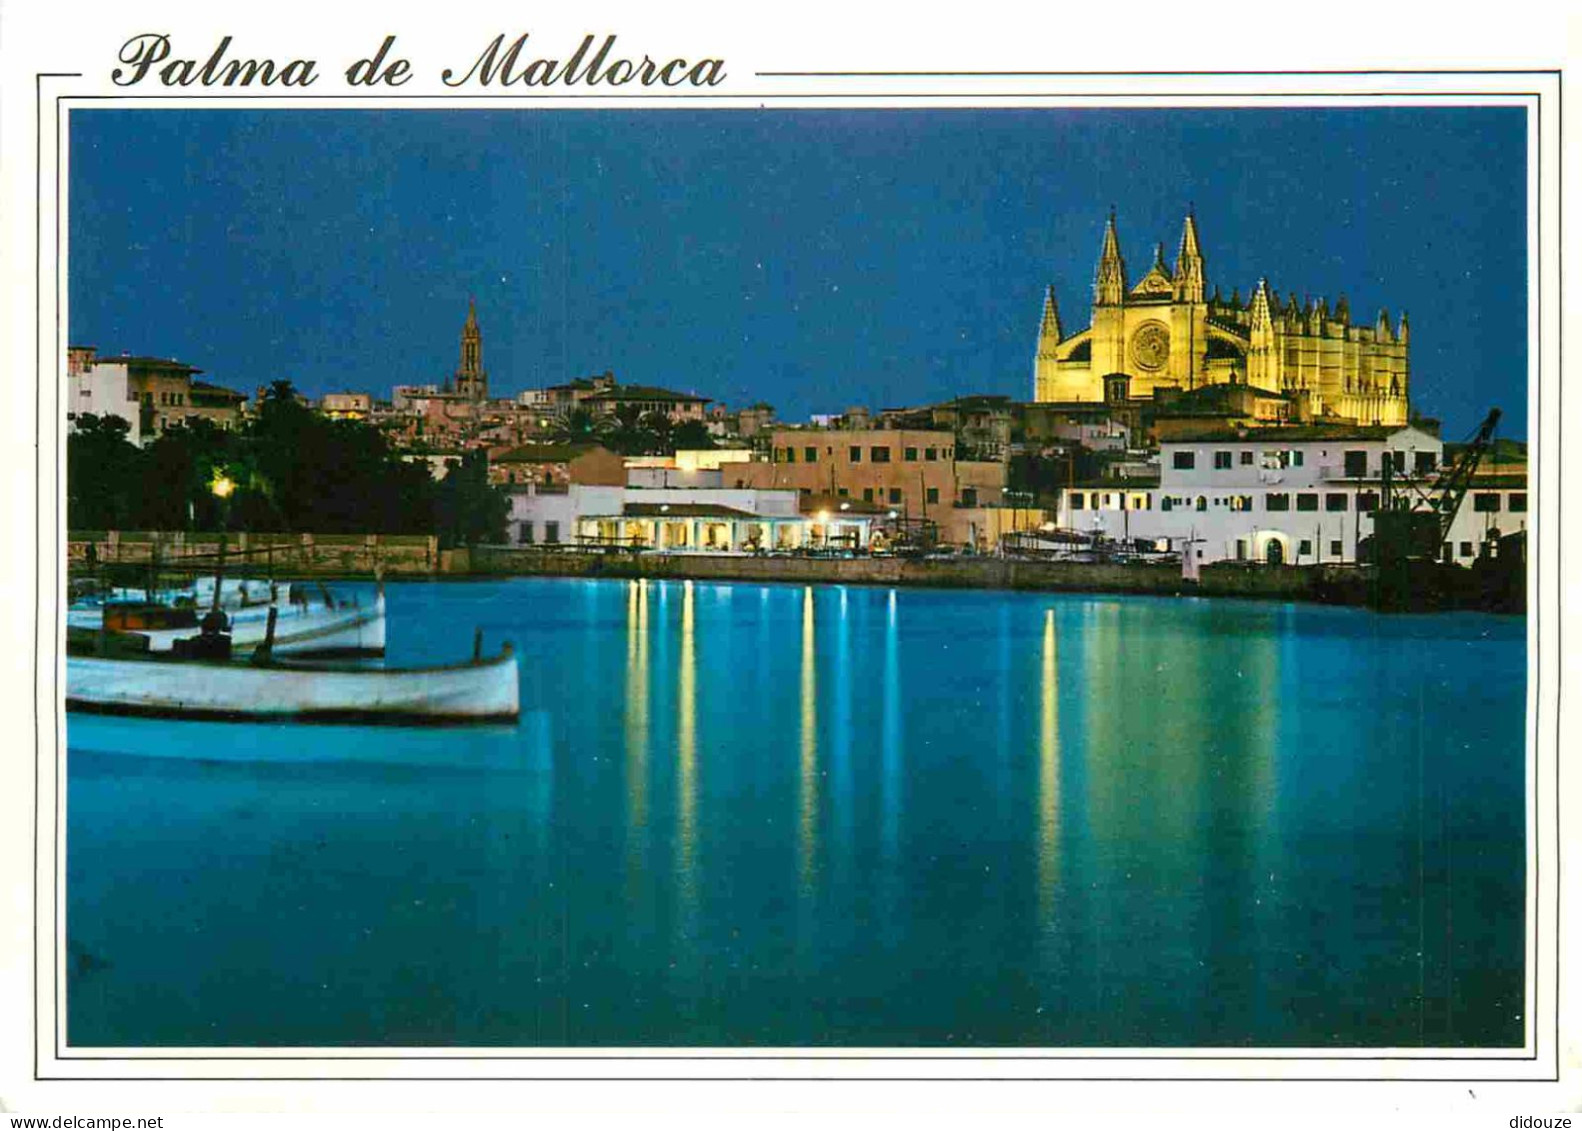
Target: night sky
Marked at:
816, 259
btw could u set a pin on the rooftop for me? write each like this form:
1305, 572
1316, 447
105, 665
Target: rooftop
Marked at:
545, 453
683, 510
1290, 433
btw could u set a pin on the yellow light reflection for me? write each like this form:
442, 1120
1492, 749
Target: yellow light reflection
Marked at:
809, 762
686, 750
636, 718
1048, 773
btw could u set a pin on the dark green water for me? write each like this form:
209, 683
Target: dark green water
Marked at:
749, 815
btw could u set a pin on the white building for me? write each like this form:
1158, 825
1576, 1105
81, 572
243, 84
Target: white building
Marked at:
1300, 495
682, 519
103, 390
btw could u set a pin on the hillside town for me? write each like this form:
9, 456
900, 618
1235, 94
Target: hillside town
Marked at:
1177, 423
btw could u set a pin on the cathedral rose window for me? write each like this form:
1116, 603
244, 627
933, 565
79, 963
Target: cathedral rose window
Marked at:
1151, 345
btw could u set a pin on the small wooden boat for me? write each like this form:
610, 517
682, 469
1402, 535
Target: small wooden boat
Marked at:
479, 690
303, 629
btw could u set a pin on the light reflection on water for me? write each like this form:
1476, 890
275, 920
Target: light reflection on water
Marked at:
785, 815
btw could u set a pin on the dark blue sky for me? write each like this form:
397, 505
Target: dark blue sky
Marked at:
814, 259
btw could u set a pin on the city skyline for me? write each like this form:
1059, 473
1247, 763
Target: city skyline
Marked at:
811, 259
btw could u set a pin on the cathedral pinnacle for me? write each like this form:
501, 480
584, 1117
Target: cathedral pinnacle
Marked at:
1049, 327
1189, 277
1109, 288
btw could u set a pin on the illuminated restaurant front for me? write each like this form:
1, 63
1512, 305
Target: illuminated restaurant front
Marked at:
713, 528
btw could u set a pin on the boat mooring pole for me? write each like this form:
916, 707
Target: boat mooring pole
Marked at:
265, 651
477, 643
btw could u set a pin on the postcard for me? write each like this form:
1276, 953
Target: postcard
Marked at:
680, 552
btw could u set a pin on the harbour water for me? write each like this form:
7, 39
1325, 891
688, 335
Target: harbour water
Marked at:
769, 815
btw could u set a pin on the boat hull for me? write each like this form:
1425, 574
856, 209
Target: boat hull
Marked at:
314, 630
483, 691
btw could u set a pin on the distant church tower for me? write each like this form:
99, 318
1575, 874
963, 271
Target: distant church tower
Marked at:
472, 381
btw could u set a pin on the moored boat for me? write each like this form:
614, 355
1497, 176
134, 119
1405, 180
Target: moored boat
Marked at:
302, 628
479, 690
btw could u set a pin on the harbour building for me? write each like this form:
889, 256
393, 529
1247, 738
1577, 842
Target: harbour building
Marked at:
1170, 333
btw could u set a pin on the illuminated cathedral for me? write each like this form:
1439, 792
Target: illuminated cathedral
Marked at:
1168, 331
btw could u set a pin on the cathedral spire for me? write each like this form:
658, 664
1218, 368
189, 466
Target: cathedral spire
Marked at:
1049, 328
1405, 331
1189, 280
1109, 288
1262, 308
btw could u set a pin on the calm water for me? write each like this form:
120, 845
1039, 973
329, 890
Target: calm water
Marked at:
769, 815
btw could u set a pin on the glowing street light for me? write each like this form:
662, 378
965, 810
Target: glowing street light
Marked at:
222, 486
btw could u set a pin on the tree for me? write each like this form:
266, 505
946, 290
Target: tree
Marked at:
104, 474
468, 509
692, 435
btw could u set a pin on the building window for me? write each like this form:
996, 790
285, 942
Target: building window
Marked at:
524, 535
1241, 549
856, 454
1296, 458
969, 496
1307, 502
1485, 502
809, 455
1280, 502
1202, 503
930, 454
552, 532
1304, 548
1517, 503
1246, 459
1078, 500
1335, 548
879, 454
1466, 549
1183, 461
895, 494
1423, 462
911, 455
932, 495
1335, 501
867, 494
1367, 502
1221, 461
1165, 502
790, 455
1356, 464
1397, 461
842, 492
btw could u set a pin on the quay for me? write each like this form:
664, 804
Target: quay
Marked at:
361, 557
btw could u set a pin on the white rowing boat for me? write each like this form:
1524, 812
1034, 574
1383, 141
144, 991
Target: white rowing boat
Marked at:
343, 629
479, 690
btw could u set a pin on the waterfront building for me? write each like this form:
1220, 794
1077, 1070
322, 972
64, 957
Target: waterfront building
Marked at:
1170, 331
1301, 495
915, 472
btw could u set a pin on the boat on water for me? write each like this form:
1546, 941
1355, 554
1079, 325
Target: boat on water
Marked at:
324, 628
483, 689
